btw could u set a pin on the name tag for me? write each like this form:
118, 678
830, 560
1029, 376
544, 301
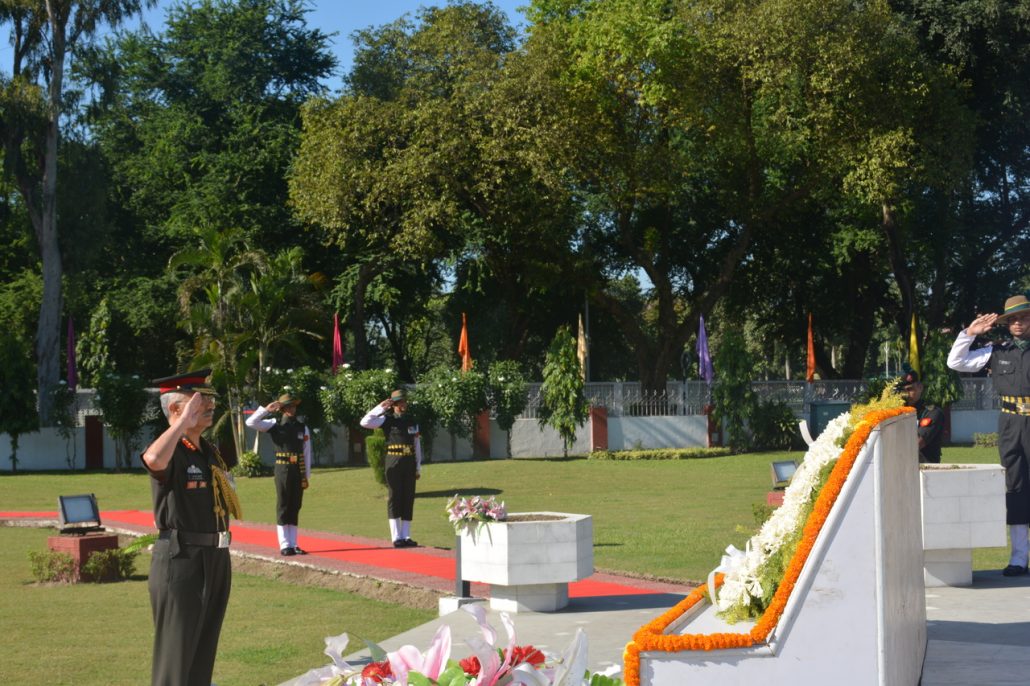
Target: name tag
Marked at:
223, 539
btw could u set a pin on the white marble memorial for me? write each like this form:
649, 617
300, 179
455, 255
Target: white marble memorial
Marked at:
530, 559
963, 508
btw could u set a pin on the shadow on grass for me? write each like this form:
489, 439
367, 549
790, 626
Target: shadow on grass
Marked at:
475, 490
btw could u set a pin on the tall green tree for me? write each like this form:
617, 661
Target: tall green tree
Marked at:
17, 402
564, 405
43, 36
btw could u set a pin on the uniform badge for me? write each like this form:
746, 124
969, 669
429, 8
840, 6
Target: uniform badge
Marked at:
925, 421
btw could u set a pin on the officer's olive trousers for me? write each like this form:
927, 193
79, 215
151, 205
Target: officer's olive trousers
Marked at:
188, 595
400, 482
288, 494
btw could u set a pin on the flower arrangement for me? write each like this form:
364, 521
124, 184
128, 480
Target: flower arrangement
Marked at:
489, 665
470, 514
651, 636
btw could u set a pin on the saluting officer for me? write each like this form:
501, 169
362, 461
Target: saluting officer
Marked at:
1010, 371
190, 571
930, 418
403, 463
292, 465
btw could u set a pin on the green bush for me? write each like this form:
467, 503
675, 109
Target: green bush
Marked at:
249, 465
987, 440
116, 564
660, 454
774, 427
52, 566
375, 450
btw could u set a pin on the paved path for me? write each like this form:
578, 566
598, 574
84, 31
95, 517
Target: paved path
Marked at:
977, 636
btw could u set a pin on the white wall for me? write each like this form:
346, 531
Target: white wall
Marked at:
965, 423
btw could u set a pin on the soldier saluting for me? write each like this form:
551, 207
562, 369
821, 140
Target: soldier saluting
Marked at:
403, 463
1009, 363
292, 465
190, 571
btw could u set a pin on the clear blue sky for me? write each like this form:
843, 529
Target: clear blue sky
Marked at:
343, 17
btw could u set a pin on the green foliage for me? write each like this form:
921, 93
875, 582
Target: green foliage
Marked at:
115, 564
17, 399
375, 451
564, 405
942, 385
307, 384
92, 350
733, 400
126, 406
249, 465
985, 440
774, 427
63, 417
455, 397
660, 454
351, 394
52, 566
507, 392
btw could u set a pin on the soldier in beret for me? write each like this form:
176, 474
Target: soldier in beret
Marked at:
1009, 363
190, 571
929, 418
292, 465
403, 462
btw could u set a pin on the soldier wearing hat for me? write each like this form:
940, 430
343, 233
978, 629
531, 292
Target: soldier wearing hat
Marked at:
190, 571
1009, 363
403, 462
292, 465
929, 418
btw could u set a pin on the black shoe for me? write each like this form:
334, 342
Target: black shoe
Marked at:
1014, 570
408, 543
287, 551
298, 551
399, 543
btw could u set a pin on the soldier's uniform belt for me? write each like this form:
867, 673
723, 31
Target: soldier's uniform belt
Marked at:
219, 539
286, 458
1015, 404
400, 450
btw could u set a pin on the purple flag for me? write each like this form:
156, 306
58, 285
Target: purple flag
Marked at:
704, 362
72, 374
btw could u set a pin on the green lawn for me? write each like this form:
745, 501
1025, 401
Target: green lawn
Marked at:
665, 519
670, 519
102, 633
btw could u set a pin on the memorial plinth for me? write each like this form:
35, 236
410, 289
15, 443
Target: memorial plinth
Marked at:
855, 614
529, 559
81, 546
963, 508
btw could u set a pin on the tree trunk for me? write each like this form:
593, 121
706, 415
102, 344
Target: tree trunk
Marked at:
357, 319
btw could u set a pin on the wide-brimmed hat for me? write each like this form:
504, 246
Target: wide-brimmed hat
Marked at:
286, 400
190, 382
398, 396
1013, 306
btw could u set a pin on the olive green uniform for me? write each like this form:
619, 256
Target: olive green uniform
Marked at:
190, 575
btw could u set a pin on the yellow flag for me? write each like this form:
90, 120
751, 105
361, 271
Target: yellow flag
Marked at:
581, 349
913, 348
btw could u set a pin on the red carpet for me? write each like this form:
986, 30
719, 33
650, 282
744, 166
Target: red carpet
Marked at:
438, 563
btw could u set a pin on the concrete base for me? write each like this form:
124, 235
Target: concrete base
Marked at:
529, 597
949, 567
452, 603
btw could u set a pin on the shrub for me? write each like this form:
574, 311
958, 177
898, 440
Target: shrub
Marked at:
660, 454
52, 566
375, 450
116, 564
249, 465
774, 427
985, 440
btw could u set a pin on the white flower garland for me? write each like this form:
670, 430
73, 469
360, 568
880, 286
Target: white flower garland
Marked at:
741, 583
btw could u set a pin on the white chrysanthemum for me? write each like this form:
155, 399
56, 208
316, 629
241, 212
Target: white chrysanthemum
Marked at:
741, 583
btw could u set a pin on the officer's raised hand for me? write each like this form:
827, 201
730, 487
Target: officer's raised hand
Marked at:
982, 324
194, 413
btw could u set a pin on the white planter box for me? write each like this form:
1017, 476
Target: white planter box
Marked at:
963, 508
529, 564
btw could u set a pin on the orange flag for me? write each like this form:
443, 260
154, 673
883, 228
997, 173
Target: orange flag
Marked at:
810, 371
463, 345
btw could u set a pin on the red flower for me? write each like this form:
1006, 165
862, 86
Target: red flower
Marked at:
375, 672
520, 654
470, 665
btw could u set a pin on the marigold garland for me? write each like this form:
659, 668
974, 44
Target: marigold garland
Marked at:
651, 636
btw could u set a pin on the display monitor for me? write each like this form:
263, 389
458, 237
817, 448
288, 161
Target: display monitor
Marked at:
782, 472
78, 513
